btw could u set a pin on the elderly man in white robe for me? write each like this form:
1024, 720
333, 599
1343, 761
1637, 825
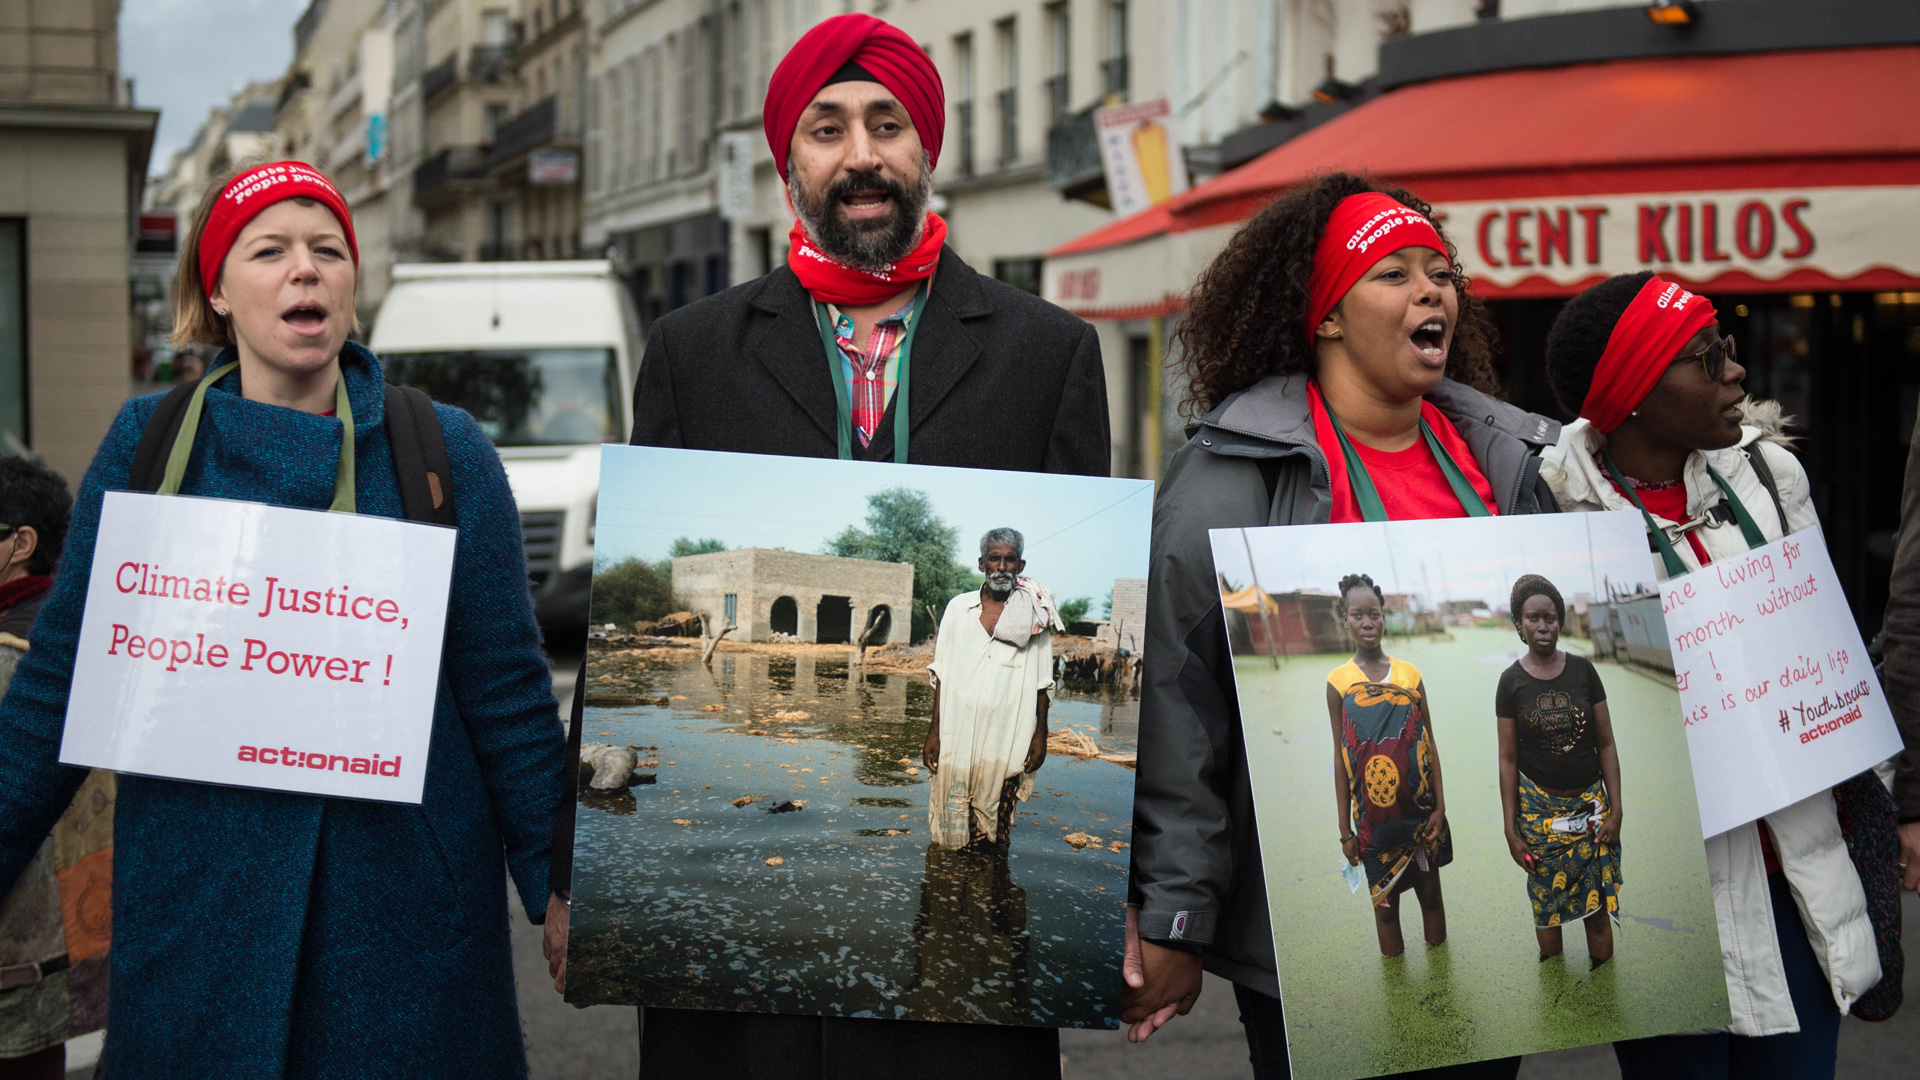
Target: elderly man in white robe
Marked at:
992, 667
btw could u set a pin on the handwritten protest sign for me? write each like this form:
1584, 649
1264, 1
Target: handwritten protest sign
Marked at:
260, 646
1781, 701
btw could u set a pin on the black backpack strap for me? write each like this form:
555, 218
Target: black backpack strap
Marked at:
1758, 459
156, 439
419, 457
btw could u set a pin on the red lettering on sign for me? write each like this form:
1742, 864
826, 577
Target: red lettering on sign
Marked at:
1802, 236
1683, 232
1710, 234
1556, 235
1590, 223
1486, 245
1653, 233
1517, 243
1753, 230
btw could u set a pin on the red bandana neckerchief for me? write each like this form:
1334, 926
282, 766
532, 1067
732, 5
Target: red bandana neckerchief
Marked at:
22, 589
834, 282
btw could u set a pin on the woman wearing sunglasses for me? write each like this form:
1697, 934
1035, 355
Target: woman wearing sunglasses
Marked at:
1666, 431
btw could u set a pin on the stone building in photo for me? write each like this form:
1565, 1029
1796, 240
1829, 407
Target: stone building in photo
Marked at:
818, 598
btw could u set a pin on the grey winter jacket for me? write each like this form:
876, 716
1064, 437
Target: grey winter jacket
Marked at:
1253, 461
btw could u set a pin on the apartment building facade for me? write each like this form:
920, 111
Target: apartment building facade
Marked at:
73, 161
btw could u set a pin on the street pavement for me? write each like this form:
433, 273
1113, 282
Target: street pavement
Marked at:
602, 1043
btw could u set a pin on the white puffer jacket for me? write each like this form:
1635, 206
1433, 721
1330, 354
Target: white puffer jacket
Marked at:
1806, 835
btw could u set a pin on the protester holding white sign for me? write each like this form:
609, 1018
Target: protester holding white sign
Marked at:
242, 637
1665, 430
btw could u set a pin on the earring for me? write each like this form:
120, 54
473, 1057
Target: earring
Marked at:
1635, 412
222, 312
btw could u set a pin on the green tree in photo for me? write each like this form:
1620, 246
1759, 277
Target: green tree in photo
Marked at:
687, 546
902, 527
632, 591
1074, 610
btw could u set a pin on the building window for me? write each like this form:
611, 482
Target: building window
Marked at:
496, 27
736, 73
14, 434
1113, 69
1007, 33
1022, 274
730, 605
1060, 61
963, 104
492, 120
495, 249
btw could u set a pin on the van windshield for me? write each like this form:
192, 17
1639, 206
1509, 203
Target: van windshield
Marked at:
521, 397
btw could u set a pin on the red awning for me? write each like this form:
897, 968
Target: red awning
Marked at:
1735, 128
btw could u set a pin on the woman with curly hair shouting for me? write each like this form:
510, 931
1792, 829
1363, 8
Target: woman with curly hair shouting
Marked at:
1340, 371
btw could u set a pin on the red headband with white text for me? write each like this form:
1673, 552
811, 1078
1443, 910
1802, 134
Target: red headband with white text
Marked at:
1361, 231
255, 190
1662, 317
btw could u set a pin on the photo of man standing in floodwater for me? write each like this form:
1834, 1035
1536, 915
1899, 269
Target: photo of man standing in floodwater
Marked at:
818, 701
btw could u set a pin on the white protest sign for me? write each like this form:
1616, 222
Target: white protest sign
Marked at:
1780, 698
260, 646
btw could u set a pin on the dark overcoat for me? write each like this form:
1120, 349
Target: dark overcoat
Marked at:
1000, 379
264, 934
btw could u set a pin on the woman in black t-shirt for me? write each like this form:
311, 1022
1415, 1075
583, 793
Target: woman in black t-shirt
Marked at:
1559, 777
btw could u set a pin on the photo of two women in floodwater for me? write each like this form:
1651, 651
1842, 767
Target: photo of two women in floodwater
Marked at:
1465, 740
858, 740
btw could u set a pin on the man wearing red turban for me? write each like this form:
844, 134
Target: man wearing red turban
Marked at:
875, 341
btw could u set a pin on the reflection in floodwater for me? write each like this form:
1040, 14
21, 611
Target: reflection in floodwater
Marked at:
683, 899
970, 941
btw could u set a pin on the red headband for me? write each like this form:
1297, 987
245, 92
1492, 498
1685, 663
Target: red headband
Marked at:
889, 53
1361, 231
254, 191
1662, 318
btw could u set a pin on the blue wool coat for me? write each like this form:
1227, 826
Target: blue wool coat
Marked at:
262, 934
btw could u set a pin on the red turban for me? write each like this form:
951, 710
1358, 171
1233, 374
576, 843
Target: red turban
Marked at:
895, 60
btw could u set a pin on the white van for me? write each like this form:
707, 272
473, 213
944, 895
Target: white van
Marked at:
542, 354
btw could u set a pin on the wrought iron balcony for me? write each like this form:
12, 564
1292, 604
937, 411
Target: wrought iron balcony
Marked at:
439, 78
1113, 75
531, 129
1009, 101
1073, 153
451, 164
490, 64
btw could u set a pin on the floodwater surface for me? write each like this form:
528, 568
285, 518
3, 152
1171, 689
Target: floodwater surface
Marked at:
823, 895
1484, 993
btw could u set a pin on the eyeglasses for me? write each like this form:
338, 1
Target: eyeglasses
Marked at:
8, 530
1713, 359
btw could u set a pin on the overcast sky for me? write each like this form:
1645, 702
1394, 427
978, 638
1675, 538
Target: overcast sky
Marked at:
1081, 532
186, 56
1448, 559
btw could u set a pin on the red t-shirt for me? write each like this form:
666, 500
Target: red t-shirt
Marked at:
1671, 503
1409, 482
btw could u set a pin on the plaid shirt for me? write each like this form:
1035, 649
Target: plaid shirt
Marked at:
870, 374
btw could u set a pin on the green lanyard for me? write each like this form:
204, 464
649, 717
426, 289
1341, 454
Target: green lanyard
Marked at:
190, 426
845, 400
1664, 544
1364, 493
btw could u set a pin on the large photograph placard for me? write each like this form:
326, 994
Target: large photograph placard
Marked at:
1448, 880
1781, 700
260, 646
765, 823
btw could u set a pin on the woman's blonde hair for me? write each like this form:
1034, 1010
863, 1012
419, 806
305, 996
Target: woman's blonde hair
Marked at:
194, 320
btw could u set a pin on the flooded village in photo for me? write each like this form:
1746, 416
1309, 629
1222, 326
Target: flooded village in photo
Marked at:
754, 830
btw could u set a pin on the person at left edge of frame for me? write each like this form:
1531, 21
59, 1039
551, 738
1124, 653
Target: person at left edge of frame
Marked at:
53, 971
875, 342
261, 932
992, 667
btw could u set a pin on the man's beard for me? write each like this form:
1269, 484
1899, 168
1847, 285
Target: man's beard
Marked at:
873, 245
1000, 585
